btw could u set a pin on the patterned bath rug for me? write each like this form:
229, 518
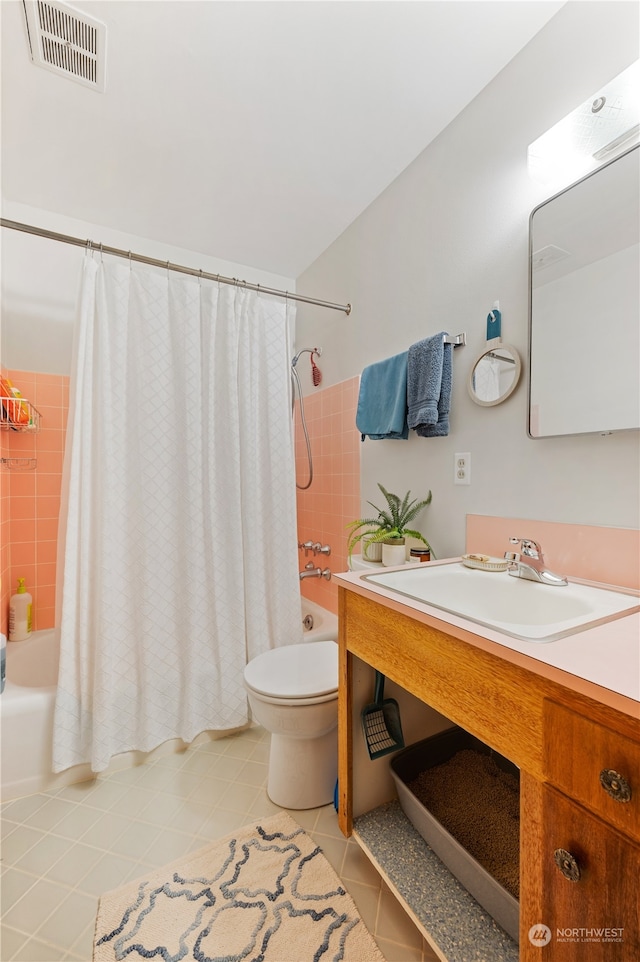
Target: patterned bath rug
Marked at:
263, 894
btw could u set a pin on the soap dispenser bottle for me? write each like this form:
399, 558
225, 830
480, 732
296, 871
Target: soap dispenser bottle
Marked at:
20, 613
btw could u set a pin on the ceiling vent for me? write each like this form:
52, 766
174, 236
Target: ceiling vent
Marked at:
67, 41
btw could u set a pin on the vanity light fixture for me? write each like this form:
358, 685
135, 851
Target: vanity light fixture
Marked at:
602, 127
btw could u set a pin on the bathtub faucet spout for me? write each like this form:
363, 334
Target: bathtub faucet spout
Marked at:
311, 572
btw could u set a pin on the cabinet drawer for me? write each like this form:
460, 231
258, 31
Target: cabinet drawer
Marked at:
594, 765
588, 879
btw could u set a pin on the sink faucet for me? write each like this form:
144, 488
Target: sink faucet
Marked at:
529, 564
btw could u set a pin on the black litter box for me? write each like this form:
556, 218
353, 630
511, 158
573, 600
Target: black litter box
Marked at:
405, 768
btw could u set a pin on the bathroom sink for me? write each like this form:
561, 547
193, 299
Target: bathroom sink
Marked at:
523, 609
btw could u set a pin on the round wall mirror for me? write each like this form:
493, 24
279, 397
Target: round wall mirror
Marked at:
494, 375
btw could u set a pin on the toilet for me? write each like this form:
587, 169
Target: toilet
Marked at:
293, 693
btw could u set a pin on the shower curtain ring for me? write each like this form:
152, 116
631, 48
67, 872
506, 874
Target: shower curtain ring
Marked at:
130, 260
101, 257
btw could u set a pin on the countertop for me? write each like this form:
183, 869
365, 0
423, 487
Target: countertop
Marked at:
606, 656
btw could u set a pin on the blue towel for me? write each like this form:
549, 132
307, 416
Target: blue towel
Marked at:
441, 428
429, 382
382, 401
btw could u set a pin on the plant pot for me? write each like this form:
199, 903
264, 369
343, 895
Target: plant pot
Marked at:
371, 551
393, 552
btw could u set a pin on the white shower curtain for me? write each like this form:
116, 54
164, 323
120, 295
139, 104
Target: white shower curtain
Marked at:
179, 528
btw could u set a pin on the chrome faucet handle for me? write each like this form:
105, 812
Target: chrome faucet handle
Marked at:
316, 547
309, 566
530, 548
530, 564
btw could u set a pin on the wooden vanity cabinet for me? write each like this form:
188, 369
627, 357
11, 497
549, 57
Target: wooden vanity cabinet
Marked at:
590, 900
561, 736
584, 857
594, 764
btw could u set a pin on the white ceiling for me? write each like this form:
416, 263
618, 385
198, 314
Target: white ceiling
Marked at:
252, 131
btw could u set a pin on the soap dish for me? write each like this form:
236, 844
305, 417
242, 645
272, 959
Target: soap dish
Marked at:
484, 563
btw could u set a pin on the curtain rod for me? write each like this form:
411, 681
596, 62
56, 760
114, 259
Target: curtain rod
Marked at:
154, 262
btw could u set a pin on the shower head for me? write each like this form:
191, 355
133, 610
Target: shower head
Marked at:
306, 350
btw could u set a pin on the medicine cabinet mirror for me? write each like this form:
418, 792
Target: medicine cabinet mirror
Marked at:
584, 306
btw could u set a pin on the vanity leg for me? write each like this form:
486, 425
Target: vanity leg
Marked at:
345, 738
531, 855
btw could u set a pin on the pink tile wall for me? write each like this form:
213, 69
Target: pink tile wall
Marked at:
608, 555
333, 499
31, 499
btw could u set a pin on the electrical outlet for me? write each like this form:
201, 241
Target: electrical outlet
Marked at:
462, 468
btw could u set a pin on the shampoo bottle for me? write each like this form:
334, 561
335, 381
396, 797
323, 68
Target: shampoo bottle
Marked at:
20, 613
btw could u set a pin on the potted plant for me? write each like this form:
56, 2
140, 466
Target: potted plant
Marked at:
389, 528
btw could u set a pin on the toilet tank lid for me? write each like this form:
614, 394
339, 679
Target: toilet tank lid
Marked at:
295, 671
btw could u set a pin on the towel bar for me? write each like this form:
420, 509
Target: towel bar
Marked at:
458, 340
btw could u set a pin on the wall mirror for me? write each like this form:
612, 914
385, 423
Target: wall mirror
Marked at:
584, 305
495, 374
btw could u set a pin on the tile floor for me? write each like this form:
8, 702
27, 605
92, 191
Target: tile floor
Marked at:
62, 849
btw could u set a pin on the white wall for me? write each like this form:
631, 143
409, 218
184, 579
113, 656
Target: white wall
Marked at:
40, 283
435, 250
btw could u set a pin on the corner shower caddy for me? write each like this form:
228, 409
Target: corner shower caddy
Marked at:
20, 415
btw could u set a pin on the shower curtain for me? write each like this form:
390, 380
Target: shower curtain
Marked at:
178, 526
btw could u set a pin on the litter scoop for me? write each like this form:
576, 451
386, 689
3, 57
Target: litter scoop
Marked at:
381, 723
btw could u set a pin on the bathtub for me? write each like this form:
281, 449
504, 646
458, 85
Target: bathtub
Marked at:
27, 716
27, 704
323, 625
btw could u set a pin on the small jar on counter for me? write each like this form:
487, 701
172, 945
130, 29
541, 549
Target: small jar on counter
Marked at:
420, 554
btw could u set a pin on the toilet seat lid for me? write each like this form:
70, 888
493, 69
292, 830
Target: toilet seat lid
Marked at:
295, 671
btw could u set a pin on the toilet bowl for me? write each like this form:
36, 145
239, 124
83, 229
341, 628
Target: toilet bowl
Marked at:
293, 693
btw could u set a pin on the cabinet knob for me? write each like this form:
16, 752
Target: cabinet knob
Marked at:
615, 785
567, 864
